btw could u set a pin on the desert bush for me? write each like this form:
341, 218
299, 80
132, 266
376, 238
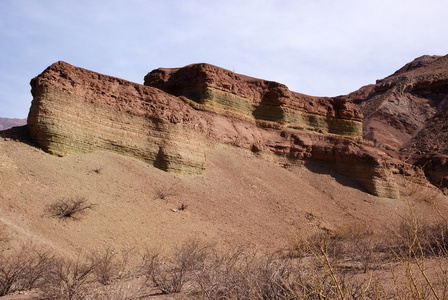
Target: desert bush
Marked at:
23, 268
97, 169
251, 275
171, 273
415, 244
182, 207
70, 277
110, 265
416, 237
66, 208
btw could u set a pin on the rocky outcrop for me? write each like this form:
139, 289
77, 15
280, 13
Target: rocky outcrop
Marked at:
396, 109
435, 166
76, 111
407, 112
173, 122
266, 102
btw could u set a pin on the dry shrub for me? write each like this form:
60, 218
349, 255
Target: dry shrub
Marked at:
23, 268
417, 237
225, 275
66, 208
170, 274
70, 278
110, 265
182, 207
164, 192
417, 244
251, 275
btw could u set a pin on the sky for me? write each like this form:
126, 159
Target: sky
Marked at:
315, 47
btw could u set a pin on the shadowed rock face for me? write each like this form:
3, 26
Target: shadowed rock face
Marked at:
407, 112
396, 109
76, 111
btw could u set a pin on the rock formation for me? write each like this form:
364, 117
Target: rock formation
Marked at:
396, 109
76, 111
178, 114
267, 103
407, 112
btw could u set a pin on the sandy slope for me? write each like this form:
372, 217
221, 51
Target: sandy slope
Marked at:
240, 199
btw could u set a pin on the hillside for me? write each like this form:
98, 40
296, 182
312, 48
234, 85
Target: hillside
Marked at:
240, 199
407, 110
250, 181
406, 114
202, 153
6, 123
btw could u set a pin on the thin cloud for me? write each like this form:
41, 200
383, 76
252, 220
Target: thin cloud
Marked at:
320, 47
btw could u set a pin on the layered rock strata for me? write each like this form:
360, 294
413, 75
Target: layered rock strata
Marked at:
76, 111
266, 102
397, 108
407, 112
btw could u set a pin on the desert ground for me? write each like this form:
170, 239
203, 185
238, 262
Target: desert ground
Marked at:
240, 200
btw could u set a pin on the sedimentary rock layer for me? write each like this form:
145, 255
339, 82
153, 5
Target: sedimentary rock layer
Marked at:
407, 112
254, 99
76, 111
397, 108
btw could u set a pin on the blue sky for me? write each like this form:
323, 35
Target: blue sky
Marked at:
316, 47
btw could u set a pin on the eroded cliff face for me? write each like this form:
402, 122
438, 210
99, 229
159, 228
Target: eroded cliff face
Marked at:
397, 108
407, 113
268, 103
184, 112
77, 111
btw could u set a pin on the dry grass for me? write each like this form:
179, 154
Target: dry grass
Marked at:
323, 266
164, 192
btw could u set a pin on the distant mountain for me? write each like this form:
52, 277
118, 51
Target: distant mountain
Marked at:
6, 123
406, 114
407, 111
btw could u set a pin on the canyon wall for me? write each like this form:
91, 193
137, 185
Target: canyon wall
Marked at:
172, 120
265, 102
78, 111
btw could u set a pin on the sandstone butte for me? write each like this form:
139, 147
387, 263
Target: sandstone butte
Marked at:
178, 114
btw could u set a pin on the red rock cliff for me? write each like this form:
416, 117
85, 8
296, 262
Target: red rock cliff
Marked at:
75, 111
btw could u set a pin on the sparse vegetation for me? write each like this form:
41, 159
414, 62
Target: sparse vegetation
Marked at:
23, 267
182, 207
69, 278
97, 169
164, 192
111, 265
66, 208
170, 274
351, 262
